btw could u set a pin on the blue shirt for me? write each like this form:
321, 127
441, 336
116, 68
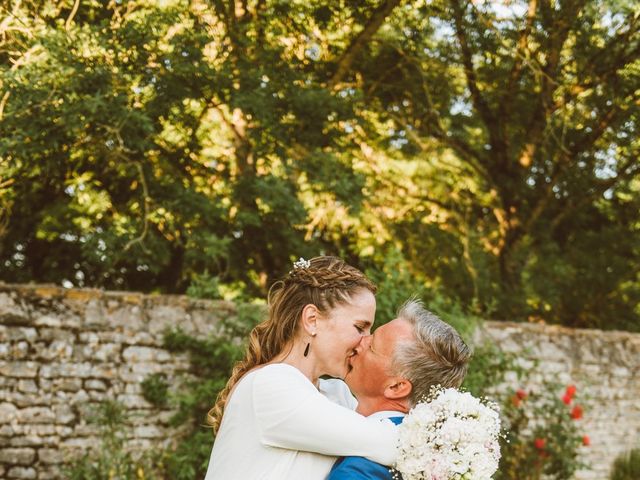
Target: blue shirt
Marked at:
360, 468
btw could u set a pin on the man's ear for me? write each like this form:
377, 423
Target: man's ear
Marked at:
398, 389
309, 319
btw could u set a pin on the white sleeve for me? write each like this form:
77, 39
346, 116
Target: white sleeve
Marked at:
292, 414
338, 392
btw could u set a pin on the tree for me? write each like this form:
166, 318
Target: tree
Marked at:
486, 149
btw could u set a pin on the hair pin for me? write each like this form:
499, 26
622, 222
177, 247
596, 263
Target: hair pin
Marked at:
301, 263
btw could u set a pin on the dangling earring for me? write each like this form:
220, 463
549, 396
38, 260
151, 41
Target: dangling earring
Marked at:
306, 349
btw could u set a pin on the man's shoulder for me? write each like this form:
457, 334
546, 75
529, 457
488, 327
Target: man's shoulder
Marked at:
359, 468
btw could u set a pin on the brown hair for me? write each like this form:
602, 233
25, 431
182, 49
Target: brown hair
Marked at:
437, 355
326, 282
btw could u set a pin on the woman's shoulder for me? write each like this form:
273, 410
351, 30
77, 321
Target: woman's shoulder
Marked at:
278, 379
279, 371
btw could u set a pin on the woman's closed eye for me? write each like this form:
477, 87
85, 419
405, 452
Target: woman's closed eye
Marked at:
363, 329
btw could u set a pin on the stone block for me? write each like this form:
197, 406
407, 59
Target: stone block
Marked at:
94, 315
37, 415
19, 351
13, 311
143, 339
58, 350
148, 431
127, 317
109, 352
50, 473
162, 317
78, 370
67, 384
133, 401
19, 369
24, 473
48, 320
17, 456
80, 397
145, 354
64, 414
8, 413
94, 384
27, 386
22, 333
51, 334
33, 441
50, 456
97, 396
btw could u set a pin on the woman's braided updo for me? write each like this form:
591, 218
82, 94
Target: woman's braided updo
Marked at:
326, 282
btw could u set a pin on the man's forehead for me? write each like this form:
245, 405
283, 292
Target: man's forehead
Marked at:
389, 333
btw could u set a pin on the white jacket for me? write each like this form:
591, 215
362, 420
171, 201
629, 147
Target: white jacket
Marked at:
278, 426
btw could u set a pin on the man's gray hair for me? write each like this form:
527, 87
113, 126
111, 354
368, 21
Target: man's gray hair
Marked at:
437, 355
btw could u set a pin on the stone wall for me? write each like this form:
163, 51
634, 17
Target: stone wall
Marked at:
64, 351
604, 365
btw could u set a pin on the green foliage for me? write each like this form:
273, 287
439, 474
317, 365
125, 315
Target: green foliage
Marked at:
204, 286
396, 284
543, 435
191, 397
489, 367
155, 389
111, 460
626, 466
466, 151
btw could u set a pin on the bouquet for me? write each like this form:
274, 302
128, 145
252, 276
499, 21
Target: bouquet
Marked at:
452, 436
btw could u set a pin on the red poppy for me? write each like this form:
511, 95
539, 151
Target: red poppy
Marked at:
516, 401
576, 412
521, 394
539, 443
566, 399
571, 390
586, 441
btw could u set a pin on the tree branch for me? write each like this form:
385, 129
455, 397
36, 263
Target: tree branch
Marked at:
559, 32
516, 70
74, 10
146, 205
629, 170
348, 57
472, 82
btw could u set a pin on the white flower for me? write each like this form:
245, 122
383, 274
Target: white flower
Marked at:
301, 263
452, 436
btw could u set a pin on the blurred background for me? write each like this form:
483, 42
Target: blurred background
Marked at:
482, 154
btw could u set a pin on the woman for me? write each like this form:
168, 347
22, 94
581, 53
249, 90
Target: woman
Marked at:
272, 421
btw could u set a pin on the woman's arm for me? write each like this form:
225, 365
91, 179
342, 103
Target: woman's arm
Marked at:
292, 414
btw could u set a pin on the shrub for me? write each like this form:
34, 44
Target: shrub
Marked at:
543, 434
111, 460
626, 466
211, 361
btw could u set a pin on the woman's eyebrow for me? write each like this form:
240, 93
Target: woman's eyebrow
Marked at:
365, 323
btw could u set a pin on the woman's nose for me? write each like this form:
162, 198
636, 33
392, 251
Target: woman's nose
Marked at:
360, 347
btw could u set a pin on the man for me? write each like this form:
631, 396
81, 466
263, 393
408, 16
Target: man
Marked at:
395, 368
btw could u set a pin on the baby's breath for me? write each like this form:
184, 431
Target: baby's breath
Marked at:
449, 435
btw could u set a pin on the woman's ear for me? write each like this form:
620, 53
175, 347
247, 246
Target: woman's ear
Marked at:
399, 388
310, 319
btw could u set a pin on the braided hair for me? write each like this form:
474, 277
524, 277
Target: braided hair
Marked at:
325, 282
